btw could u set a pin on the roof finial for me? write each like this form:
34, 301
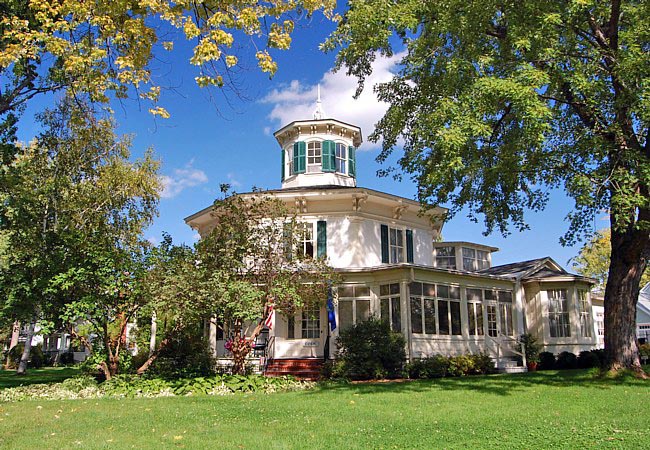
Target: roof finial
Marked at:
319, 114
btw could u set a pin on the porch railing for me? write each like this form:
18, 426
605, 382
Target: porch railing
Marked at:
506, 346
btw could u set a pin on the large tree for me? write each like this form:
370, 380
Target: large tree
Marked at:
71, 203
106, 46
496, 102
249, 265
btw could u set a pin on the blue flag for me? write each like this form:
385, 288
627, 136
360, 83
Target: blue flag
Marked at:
331, 315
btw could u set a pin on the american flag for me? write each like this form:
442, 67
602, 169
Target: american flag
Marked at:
270, 318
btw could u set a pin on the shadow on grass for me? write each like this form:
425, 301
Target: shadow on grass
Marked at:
500, 384
9, 379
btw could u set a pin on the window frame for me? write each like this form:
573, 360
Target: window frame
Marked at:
305, 230
475, 263
360, 293
341, 161
310, 323
559, 321
452, 303
391, 298
421, 296
314, 153
400, 250
475, 311
584, 311
448, 258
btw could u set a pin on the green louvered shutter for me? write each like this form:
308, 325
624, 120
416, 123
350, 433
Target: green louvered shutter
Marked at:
409, 246
352, 161
329, 156
384, 244
302, 156
283, 162
299, 157
321, 239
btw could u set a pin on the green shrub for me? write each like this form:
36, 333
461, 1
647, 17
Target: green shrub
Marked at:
531, 347
370, 350
566, 360
187, 356
66, 358
460, 366
588, 359
435, 366
546, 361
483, 364
36, 356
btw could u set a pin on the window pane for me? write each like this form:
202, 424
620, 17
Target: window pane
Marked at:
471, 319
396, 316
469, 253
416, 315
394, 288
443, 291
346, 291
505, 296
455, 318
429, 316
363, 310
384, 289
454, 292
492, 320
479, 319
474, 295
429, 290
443, 317
362, 291
345, 314
415, 288
489, 295
384, 310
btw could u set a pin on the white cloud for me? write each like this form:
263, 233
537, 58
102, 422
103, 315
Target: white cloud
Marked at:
232, 181
182, 179
297, 101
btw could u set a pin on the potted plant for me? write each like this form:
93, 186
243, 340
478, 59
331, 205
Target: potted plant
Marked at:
531, 349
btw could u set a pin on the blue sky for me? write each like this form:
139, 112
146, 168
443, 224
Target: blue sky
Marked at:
207, 141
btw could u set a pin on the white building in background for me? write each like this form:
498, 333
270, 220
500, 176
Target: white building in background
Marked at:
445, 297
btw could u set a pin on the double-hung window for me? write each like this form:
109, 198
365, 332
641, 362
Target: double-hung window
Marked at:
446, 257
354, 305
449, 321
558, 313
396, 245
505, 312
341, 157
310, 323
423, 308
475, 260
314, 157
475, 311
389, 302
306, 239
585, 313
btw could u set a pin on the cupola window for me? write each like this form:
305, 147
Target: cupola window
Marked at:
340, 157
314, 157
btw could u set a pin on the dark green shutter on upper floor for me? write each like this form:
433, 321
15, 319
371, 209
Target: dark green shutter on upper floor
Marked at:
283, 163
352, 161
299, 157
409, 246
321, 239
329, 156
384, 244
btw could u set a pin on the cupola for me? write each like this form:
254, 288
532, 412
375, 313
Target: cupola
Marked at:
319, 152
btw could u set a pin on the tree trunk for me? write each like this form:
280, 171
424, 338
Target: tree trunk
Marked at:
22, 366
154, 330
628, 261
143, 368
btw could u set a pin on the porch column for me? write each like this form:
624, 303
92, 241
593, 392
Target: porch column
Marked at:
574, 316
212, 335
519, 309
405, 307
154, 330
15, 334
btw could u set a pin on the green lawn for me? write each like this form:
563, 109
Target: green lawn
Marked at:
8, 378
540, 410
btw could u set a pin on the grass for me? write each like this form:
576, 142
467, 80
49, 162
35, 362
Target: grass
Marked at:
8, 378
569, 409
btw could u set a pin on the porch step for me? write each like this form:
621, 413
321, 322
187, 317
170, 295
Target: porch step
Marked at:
510, 365
306, 369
